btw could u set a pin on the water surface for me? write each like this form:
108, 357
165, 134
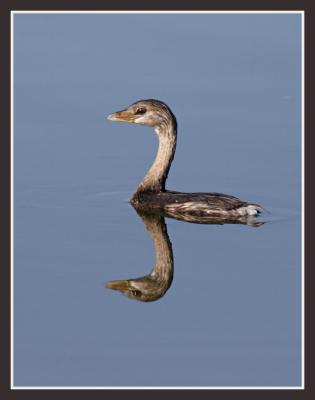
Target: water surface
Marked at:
232, 314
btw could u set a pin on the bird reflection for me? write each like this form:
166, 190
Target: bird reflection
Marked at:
153, 286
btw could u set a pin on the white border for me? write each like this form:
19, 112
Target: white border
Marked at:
302, 387
302, 201
12, 195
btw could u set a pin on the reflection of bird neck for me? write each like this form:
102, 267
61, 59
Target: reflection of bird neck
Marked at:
154, 181
154, 285
162, 272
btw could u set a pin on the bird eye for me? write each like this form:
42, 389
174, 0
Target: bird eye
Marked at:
136, 293
140, 111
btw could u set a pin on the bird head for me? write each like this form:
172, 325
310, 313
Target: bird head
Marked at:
153, 113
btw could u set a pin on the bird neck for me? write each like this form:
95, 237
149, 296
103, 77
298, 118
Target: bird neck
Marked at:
155, 179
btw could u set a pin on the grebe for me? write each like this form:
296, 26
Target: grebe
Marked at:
151, 192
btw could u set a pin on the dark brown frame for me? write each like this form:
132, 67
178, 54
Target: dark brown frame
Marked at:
5, 8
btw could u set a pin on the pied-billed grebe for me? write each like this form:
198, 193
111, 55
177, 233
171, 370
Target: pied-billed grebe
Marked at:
151, 192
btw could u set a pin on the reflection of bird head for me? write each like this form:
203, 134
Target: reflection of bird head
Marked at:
146, 288
152, 113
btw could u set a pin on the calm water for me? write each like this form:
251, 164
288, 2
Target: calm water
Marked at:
232, 314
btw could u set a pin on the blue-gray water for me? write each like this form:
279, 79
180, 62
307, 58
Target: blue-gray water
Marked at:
232, 315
